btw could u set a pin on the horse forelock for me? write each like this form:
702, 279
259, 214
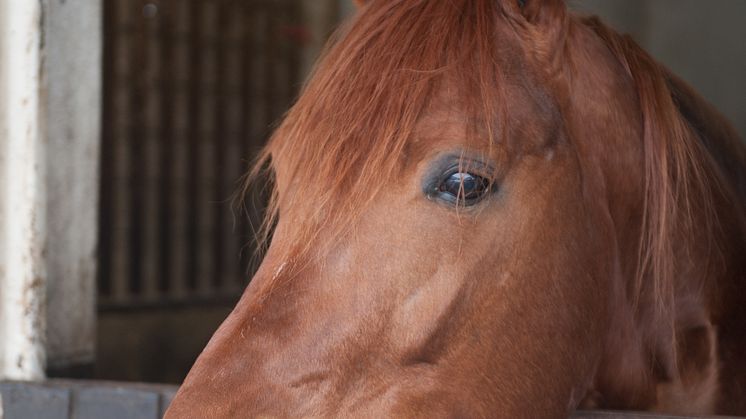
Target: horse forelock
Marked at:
356, 118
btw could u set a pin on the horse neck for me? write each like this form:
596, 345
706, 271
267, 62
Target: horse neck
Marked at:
648, 347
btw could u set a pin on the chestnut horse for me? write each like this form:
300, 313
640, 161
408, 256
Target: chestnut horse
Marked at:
490, 208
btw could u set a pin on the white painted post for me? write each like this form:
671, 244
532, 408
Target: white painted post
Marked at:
22, 192
50, 107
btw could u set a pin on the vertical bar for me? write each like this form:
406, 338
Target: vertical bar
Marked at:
284, 33
271, 57
246, 219
219, 142
233, 95
136, 139
320, 17
293, 60
207, 147
193, 165
166, 136
180, 150
122, 121
257, 114
108, 154
152, 170
23, 276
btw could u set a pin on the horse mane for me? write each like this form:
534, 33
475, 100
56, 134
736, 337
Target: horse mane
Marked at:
385, 67
692, 158
715, 132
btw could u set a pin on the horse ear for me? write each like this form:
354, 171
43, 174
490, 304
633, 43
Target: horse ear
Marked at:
542, 12
548, 23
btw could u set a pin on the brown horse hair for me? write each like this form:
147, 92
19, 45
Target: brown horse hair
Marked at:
679, 174
385, 66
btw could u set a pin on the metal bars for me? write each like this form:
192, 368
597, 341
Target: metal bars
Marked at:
191, 90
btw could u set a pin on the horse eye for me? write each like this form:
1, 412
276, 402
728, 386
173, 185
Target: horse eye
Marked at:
463, 188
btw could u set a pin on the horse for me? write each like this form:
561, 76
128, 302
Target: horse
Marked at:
489, 208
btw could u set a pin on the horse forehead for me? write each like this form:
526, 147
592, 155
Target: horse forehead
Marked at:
446, 123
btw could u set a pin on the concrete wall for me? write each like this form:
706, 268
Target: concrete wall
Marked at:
73, 41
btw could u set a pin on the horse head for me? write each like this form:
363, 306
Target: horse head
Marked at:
486, 208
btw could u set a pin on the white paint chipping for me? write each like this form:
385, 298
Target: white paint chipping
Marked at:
22, 191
